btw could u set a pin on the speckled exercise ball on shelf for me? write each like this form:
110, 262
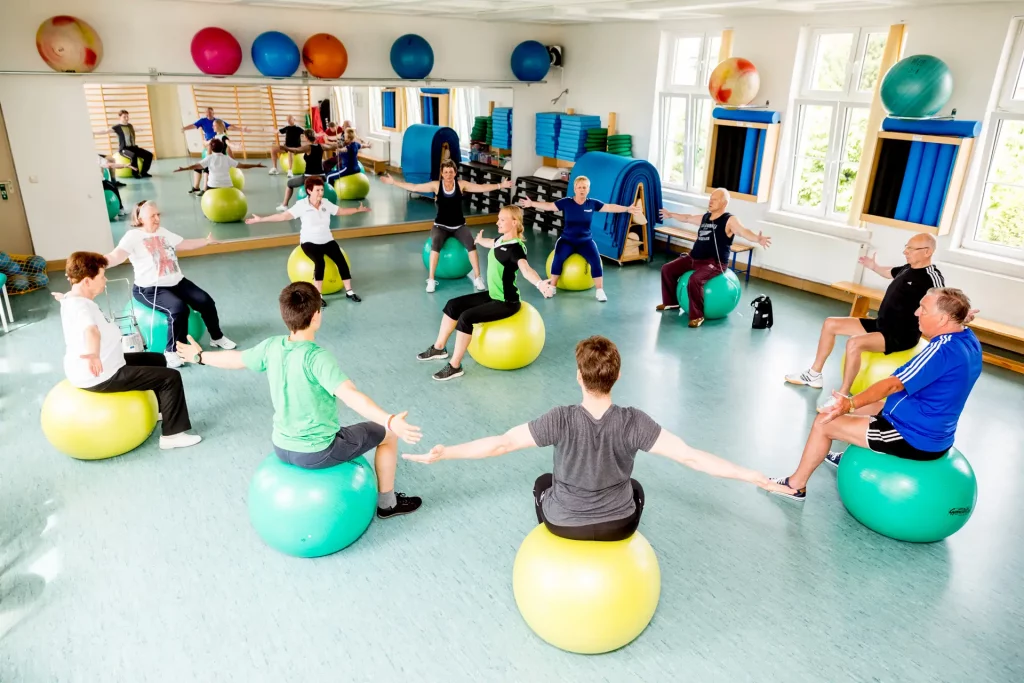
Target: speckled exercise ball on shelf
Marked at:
452, 261
275, 54
530, 61
734, 82
352, 187
69, 45
917, 87
329, 193
721, 294
224, 205
412, 57
324, 56
216, 52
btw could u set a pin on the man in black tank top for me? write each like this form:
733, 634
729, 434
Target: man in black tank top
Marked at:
709, 256
127, 148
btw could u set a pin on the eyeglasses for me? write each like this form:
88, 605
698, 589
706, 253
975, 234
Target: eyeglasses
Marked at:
910, 248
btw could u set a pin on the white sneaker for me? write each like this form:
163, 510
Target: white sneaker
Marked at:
827, 405
601, 296
807, 377
478, 283
179, 440
274, 171
223, 343
173, 359
282, 208
159, 417
431, 286
290, 174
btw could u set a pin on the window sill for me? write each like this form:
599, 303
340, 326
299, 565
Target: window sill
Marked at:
982, 261
818, 225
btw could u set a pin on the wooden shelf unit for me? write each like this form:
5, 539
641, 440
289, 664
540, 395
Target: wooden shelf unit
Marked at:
644, 251
762, 169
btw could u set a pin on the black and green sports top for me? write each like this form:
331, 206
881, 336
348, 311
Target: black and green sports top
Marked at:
502, 265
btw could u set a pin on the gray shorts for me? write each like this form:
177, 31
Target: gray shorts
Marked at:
438, 234
349, 443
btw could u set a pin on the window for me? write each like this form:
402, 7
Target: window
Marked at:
837, 84
376, 110
684, 109
465, 105
344, 100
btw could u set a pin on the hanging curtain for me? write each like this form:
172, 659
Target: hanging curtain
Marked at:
376, 115
412, 107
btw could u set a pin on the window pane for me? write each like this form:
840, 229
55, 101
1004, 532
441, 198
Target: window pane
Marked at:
815, 127
1018, 89
702, 116
831, 61
714, 48
853, 146
1008, 156
810, 182
674, 144
1002, 211
686, 61
871, 61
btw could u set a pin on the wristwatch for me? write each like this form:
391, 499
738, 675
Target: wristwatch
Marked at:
198, 358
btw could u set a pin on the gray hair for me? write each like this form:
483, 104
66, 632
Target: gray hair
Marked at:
951, 301
728, 197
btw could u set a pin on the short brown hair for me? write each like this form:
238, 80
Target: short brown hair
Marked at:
951, 301
310, 134
311, 182
598, 361
299, 303
84, 264
448, 163
217, 146
122, 112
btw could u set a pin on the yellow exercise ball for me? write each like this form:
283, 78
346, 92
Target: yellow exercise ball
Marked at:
123, 172
575, 275
224, 205
874, 367
511, 343
587, 597
299, 165
91, 426
300, 269
237, 178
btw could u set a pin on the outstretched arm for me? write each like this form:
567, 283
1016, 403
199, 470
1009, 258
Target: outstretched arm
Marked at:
545, 287
198, 243
364, 405
514, 439
671, 446
116, 257
247, 166
490, 187
388, 179
619, 208
870, 263
737, 228
193, 167
348, 212
528, 203
276, 218
485, 242
690, 218
192, 352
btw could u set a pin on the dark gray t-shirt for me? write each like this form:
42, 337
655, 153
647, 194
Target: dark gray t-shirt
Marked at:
593, 461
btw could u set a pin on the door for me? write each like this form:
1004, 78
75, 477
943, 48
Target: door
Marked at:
14, 234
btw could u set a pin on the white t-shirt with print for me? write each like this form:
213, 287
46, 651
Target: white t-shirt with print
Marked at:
153, 257
220, 166
77, 314
315, 223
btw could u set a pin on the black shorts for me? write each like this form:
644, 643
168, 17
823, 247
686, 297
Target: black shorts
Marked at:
349, 443
895, 340
883, 438
440, 233
617, 530
476, 308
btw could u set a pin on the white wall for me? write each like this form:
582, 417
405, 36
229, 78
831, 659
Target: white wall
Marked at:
970, 39
64, 202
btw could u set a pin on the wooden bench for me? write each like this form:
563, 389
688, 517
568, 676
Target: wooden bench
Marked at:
376, 164
863, 296
691, 236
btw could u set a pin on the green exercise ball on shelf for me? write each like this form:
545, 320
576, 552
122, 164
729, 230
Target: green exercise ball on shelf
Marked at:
224, 205
113, 205
918, 86
721, 294
350, 187
452, 261
329, 193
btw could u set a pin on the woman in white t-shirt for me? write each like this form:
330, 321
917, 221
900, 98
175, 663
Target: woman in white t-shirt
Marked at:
315, 237
94, 360
218, 165
159, 283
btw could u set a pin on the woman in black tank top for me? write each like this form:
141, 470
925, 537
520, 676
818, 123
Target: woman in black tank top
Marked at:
313, 154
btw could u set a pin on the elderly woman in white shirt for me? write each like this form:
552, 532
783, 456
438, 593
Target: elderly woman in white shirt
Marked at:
218, 164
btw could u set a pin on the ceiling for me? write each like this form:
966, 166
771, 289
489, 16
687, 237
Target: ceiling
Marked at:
589, 11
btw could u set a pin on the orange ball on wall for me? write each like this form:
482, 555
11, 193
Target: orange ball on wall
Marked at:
324, 56
734, 82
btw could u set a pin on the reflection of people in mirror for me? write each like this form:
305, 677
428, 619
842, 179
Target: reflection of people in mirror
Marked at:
127, 147
108, 164
347, 161
292, 142
313, 155
217, 165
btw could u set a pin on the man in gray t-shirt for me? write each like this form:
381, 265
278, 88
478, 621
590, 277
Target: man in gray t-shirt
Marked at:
590, 495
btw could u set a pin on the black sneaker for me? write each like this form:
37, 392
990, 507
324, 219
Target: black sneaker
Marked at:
404, 505
136, 174
193, 190
432, 354
118, 183
799, 495
352, 296
145, 175
448, 372
323, 302
833, 458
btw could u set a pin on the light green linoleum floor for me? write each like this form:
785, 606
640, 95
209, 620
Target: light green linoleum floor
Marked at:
144, 568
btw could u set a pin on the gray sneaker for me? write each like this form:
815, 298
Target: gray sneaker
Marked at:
833, 458
432, 354
448, 372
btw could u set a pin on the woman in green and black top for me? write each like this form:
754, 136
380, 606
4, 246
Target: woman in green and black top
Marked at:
501, 300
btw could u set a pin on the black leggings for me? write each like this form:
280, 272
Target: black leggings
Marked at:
149, 371
317, 252
133, 154
478, 308
619, 530
108, 185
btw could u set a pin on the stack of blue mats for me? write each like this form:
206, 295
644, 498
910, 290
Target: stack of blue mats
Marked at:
572, 136
422, 146
501, 128
548, 125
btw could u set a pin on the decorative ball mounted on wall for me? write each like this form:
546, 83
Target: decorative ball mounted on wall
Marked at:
530, 61
918, 86
734, 82
275, 54
412, 57
216, 52
324, 56
69, 45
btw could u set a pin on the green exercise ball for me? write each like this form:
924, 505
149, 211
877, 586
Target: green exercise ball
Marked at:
224, 205
721, 294
153, 325
113, 205
916, 87
312, 513
908, 500
329, 194
237, 178
452, 261
355, 186
575, 275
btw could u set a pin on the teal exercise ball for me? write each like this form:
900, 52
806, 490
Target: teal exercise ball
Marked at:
452, 261
355, 186
412, 57
917, 87
153, 325
113, 205
224, 205
530, 61
312, 513
909, 500
721, 294
329, 194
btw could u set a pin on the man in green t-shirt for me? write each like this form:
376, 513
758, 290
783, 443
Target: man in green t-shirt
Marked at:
305, 383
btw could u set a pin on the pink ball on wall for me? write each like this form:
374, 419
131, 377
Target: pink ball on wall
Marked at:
216, 52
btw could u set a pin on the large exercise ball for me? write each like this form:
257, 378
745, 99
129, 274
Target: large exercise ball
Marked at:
329, 193
113, 205
917, 86
874, 367
511, 343
324, 56
354, 186
575, 275
237, 178
909, 500
412, 57
69, 45
300, 269
734, 82
586, 596
153, 324
91, 426
275, 54
312, 513
224, 205
530, 61
216, 52
452, 260
299, 165
123, 172
721, 294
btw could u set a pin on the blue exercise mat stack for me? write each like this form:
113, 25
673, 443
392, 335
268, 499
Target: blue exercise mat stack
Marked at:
501, 128
548, 124
614, 180
421, 151
572, 136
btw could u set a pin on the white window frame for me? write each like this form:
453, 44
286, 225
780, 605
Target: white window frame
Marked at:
376, 114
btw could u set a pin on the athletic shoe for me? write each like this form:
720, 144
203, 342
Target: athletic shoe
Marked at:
193, 190
696, 322
352, 296
200, 193
807, 377
290, 174
799, 496
431, 286
827, 405
173, 360
274, 171
145, 175
136, 174
282, 208
448, 372
405, 504
159, 417
118, 183
833, 458
323, 302
223, 343
666, 307
601, 296
478, 283
180, 440
432, 354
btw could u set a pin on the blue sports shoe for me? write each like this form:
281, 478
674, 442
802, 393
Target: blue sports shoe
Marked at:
799, 496
833, 458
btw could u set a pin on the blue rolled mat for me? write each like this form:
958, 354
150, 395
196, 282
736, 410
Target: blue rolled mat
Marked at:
761, 137
749, 158
751, 115
434, 91
923, 182
613, 180
421, 151
959, 129
939, 185
909, 181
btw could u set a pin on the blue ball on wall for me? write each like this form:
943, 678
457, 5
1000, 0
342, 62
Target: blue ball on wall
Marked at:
412, 57
275, 54
530, 61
